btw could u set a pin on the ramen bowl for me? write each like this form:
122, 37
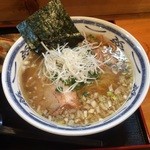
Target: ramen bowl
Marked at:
124, 40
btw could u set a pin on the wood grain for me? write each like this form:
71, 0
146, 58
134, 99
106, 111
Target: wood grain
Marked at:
106, 7
14, 11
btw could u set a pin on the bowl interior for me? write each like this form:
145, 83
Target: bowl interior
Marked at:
125, 41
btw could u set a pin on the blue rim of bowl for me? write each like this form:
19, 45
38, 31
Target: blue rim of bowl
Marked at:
98, 23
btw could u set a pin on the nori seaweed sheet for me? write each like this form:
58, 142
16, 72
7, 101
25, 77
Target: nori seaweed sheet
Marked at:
50, 24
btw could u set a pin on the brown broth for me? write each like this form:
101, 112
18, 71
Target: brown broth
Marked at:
86, 105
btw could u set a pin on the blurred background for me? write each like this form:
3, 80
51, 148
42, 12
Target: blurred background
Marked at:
14, 11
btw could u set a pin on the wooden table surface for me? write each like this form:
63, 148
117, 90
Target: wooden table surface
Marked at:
140, 29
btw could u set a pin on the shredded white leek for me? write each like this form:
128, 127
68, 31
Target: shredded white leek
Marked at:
65, 63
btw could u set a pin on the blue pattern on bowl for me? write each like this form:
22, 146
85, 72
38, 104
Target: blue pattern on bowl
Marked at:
19, 99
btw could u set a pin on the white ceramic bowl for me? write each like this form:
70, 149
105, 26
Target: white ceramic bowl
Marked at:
124, 40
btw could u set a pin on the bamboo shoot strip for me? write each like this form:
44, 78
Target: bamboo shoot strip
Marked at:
51, 25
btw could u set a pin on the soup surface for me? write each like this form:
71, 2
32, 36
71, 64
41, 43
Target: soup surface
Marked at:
71, 101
